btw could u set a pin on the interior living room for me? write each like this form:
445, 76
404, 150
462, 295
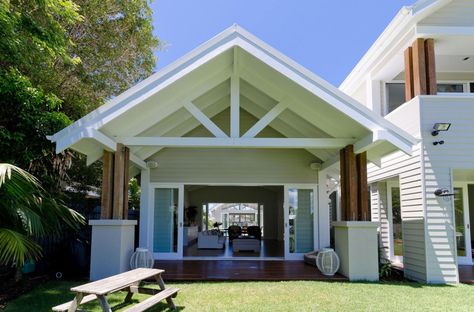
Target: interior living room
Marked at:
222, 222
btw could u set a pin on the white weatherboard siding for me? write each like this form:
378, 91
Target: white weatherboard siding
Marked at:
428, 221
408, 170
270, 166
378, 197
456, 13
439, 161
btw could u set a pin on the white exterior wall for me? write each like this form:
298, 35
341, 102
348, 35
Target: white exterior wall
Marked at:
409, 171
266, 166
428, 221
378, 198
439, 161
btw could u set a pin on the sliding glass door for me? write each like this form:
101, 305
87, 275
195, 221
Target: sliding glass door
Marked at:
168, 221
300, 219
462, 222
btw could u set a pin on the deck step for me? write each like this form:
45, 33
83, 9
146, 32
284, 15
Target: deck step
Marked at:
65, 306
149, 302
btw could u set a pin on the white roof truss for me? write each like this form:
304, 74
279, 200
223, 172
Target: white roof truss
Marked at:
152, 115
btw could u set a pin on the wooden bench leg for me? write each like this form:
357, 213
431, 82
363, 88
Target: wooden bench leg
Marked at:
160, 282
76, 302
104, 304
131, 291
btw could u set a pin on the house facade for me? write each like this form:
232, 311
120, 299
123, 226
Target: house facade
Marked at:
419, 75
236, 133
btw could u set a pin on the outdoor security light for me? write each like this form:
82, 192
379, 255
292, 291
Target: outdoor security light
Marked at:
440, 126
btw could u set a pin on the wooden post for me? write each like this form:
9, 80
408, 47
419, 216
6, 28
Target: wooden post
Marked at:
107, 185
351, 171
430, 67
409, 94
343, 184
349, 203
362, 186
419, 67
119, 178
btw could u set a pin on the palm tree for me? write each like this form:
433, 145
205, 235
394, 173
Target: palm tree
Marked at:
27, 212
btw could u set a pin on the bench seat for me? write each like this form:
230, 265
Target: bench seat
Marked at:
65, 306
149, 302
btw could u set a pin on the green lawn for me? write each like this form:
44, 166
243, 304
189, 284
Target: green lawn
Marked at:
279, 296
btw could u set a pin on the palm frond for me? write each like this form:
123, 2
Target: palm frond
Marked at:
28, 212
15, 248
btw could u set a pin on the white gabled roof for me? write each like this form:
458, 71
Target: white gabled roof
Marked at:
97, 127
399, 27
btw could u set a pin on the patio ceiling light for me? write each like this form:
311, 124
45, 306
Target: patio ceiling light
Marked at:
440, 126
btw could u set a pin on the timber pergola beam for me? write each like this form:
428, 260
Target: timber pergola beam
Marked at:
320, 143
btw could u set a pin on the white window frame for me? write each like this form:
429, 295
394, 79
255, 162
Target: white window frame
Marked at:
390, 185
465, 83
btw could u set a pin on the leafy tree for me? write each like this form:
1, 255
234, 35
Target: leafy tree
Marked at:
34, 36
28, 212
75, 54
27, 115
115, 44
135, 192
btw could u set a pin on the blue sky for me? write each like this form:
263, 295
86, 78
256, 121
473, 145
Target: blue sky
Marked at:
328, 37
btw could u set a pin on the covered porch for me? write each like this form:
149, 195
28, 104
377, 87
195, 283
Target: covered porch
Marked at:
235, 113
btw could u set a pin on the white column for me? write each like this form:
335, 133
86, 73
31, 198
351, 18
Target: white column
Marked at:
111, 247
145, 227
323, 207
357, 248
374, 95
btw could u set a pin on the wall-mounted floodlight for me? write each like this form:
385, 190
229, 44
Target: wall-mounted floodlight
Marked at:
440, 126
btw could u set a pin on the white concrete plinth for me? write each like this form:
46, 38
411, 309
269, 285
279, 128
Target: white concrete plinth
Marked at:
111, 247
357, 248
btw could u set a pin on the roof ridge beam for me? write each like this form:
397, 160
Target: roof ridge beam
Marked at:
204, 120
266, 120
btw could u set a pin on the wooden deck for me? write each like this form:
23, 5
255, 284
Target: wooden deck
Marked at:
241, 270
466, 274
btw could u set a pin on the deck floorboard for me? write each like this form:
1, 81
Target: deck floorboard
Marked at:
241, 270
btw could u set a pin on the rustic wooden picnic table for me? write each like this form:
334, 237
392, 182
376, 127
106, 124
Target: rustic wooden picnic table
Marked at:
129, 281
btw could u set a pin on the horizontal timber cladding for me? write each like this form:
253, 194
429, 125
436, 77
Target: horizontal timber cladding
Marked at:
201, 165
378, 197
439, 162
408, 170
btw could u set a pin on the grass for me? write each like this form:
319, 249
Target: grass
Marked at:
277, 296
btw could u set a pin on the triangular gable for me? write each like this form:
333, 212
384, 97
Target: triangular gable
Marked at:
89, 127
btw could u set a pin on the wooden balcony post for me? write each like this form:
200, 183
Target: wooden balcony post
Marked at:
409, 93
431, 82
107, 185
419, 67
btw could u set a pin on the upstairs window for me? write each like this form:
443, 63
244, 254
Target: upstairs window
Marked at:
395, 92
451, 88
395, 96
